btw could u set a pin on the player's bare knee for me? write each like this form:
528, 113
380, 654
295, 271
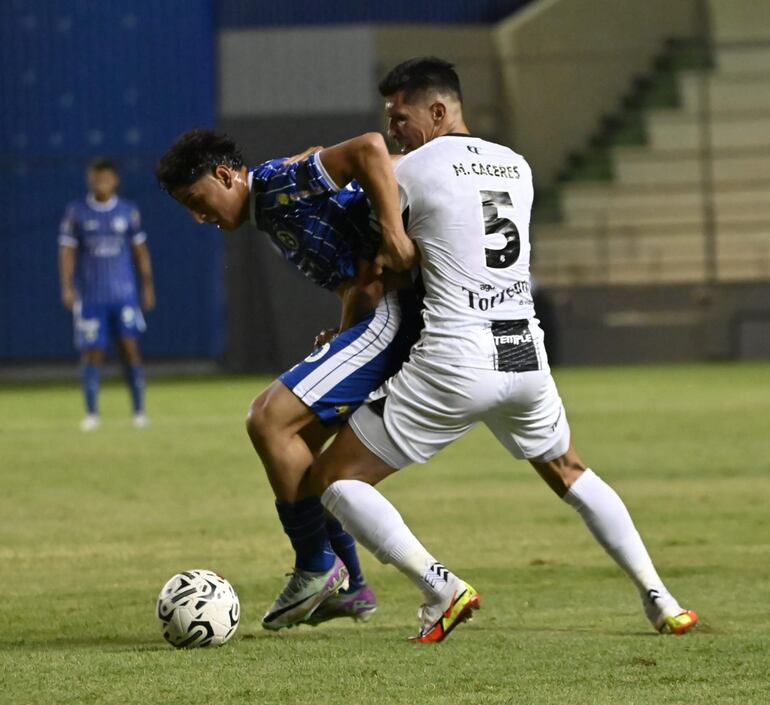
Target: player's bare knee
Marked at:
560, 473
259, 421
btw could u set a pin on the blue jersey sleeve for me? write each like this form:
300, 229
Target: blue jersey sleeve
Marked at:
321, 229
68, 227
137, 235
279, 185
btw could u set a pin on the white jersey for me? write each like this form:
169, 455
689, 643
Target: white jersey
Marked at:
467, 203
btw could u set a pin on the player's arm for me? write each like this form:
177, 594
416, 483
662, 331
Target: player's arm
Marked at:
366, 159
68, 244
302, 155
360, 295
67, 275
144, 269
142, 260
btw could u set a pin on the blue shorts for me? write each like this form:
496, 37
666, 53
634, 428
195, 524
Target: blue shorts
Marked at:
338, 377
96, 323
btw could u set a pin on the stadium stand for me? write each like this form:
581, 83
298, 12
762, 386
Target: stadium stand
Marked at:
688, 203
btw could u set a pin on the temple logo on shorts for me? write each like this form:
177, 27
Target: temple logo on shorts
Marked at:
515, 346
513, 339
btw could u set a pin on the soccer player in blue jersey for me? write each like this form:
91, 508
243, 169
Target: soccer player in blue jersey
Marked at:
102, 247
316, 212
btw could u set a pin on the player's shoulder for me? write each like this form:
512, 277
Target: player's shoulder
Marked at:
126, 204
268, 168
449, 146
76, 208
420, 155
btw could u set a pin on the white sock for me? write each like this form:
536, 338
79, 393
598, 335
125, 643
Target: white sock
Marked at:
376, 524
608, 520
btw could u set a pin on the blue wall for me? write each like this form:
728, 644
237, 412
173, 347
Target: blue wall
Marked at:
80, 78
237, 13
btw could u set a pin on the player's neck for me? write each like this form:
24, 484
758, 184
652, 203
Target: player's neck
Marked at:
102, 199
456, 127
245, 214
101, 205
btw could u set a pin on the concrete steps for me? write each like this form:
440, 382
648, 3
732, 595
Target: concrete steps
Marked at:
726, 92
650, 224
641, 166
743, 58
611, 206
636, 255
676, 129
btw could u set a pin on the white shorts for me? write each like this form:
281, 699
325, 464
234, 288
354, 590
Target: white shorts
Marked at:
429, 404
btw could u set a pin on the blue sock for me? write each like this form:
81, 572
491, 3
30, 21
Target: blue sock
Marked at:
305, 524
344, 546
135, 379
89, 382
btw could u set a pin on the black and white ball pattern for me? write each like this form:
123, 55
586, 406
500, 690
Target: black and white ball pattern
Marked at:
198, 608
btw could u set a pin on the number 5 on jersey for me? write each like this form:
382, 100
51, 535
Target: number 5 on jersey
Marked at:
499, 232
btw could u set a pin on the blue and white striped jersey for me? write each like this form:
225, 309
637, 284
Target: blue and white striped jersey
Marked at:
321, 229
103, 234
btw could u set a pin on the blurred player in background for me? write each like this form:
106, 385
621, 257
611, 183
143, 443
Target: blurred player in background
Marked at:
102, 247
480, 358
320, 222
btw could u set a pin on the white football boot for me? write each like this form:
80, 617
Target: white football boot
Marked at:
303, 594
665, 613
90, 422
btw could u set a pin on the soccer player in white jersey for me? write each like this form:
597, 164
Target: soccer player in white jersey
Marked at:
480, 358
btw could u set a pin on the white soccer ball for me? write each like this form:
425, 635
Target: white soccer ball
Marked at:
198, 608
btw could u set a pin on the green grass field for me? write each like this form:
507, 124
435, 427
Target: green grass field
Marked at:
93, 525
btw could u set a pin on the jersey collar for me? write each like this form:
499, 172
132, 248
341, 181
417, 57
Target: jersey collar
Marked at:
252, 214
105, 207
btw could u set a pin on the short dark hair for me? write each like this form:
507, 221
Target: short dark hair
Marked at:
194, 154
416, 76
103, 164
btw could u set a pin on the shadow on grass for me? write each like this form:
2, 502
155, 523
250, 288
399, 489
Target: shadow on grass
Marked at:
319, 636
102, 643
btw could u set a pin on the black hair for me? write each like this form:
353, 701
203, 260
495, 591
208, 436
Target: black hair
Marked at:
416, 76
194, 154
103, 164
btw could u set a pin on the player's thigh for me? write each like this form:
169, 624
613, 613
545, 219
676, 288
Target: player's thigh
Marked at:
316, 435
426, 407
129, 350
91, 330
338, 377
530, 421
278, 411
347, 458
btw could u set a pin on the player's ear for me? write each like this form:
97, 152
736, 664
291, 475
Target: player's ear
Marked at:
438, 111
224, 175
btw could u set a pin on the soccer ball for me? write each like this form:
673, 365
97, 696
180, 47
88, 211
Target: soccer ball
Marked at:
198, 608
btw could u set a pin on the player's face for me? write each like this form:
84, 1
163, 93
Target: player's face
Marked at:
411, 125
102, 183
215, 199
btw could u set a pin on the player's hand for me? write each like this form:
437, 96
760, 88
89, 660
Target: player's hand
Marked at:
68, 298
302, 155
326, 336
398, 254
148, 298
